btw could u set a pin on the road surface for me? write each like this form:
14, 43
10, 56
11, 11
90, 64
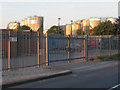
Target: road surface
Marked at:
86, 75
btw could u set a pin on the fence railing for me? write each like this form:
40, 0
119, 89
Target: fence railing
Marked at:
102, 45
23, 49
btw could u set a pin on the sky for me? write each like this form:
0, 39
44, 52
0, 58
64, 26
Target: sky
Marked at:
11, 10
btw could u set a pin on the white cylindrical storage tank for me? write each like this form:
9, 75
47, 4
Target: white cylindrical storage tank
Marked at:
94, 22
35, 23
111, 19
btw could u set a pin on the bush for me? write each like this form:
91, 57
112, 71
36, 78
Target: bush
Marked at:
91, 59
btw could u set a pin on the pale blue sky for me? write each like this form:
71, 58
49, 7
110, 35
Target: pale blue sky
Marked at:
16, 11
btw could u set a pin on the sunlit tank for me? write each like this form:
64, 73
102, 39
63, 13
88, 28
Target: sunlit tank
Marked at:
34, 22
22, 22
13, 25
111, 19
86, 23
75, 27
68, 29
94, 22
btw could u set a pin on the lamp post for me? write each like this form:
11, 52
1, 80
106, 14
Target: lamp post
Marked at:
59, 24
71, 26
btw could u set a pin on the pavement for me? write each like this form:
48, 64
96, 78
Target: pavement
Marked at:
11, 78
17, 77
94, 75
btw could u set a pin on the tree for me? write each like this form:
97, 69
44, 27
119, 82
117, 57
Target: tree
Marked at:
40, 30
24, 27
54, 30
80, 32
104, 28
117, 26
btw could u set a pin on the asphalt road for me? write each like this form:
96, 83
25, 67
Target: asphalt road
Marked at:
85, 75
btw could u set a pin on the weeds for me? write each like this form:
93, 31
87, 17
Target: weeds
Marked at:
112, 57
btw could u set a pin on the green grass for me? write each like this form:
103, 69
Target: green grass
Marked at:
91, 59
112, 57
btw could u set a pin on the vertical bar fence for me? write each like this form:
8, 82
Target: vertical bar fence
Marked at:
23, 49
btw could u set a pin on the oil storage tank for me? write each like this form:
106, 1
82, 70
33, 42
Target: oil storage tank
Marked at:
94, 22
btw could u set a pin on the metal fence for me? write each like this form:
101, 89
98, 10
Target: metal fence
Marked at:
102, 46
0, 59
24, 49
65, 48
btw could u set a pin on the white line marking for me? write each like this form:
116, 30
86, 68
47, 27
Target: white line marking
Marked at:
114, 87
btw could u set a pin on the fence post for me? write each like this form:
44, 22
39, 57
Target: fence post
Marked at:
9, 50
17, 42
109, 45
118, 43
47, 50
95, 42
69, 49
86, 48
96, 48
38, 51
100, 44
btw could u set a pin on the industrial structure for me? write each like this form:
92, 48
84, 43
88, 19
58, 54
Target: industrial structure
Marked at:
13, 25
86, 25
34, 22
111, 19
72, 28
68, 29
94, 22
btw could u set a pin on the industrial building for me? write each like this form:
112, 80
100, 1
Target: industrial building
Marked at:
24, 43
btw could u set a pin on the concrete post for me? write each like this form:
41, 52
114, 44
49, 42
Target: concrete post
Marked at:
38, 52
9, 50
47, 50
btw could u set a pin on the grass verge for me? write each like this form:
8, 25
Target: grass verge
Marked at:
106, 58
